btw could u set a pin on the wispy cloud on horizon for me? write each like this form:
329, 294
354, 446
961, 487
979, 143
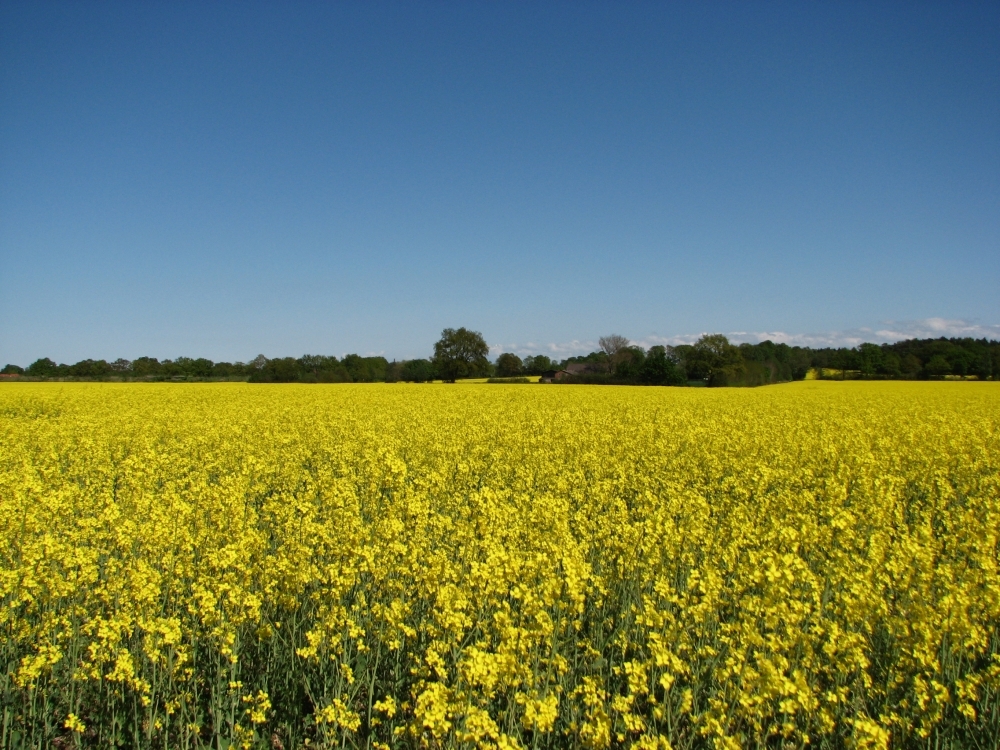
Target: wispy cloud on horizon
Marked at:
887, 332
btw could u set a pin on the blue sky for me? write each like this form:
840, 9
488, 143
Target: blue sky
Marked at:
226, 179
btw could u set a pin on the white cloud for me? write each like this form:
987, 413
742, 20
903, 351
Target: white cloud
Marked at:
935, 328
887, 332
557, 350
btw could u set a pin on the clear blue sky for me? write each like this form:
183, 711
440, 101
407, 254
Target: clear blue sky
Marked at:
226, 179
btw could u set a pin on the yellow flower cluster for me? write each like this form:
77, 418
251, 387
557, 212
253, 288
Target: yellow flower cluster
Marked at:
391, 565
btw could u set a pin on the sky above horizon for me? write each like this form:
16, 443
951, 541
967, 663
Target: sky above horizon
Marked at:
226, 179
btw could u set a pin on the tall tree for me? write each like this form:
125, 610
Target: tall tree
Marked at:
145, 366
712, 357
869, 359
509, 365
938, 367
43, 367
614, 346
659, 368
537, 365
461, 353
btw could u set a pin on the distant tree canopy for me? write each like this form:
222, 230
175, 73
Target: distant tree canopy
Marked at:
712, 360
309, 368
616, 348
44, 368
912, 359
461, 353
537, 365
314, 368
509, 365
661, 367
417, 371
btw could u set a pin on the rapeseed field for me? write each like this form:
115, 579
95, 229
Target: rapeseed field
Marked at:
239, 566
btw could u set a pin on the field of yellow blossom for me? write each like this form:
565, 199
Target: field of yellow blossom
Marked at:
391, 565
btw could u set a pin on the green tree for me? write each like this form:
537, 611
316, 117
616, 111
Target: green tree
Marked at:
145, 366
509, 365
12, 370
316, 368
461, 353
962, 361
537, 365
630, 362
393, 372
257, 363
983, 367
910, 366
43, 368
283, 370
615, 346
417, 371
201, 367
365, 369
659, 368
90, 368
845, 360
224, 370
938, 367
798, 362
714, 359
686, 359
891, 365
869, 359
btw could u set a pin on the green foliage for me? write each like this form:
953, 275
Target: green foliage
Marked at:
783, 362
461, 353
509, 365
628, 362
226, 370
145, 367
660, 368
912, 359
283, 370
600, 357
869, 359
43, 368
314, 368
366, 369
938, 366
713, 359
417, 371
538, 364
910, 366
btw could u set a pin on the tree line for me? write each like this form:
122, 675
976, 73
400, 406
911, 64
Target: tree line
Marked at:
309, 368
460, 353
714, 361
